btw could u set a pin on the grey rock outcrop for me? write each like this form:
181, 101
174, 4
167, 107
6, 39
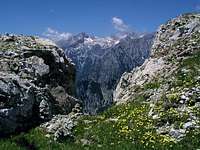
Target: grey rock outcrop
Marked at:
36, 80
60, 126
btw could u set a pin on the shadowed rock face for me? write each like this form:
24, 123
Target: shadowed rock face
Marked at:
100, 62
36, 80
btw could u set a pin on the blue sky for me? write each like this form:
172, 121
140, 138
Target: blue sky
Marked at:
91, 16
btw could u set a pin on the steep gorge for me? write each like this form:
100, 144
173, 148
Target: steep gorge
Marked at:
100, 62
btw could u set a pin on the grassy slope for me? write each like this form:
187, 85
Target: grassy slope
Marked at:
132, 129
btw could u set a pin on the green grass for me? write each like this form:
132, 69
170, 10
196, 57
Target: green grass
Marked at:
186, 77
191, 66
152, 85
34, 140
124, 127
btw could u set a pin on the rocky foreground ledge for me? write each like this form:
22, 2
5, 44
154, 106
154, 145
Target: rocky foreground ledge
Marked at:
36, 81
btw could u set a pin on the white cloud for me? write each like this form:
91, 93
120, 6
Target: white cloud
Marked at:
119, 24
56, 36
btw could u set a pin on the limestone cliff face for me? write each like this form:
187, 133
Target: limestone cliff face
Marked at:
36, 81
169, 79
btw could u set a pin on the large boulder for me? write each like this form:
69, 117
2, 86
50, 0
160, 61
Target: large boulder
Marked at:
36, 81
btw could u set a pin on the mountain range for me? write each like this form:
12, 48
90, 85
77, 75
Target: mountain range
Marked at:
100, 62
